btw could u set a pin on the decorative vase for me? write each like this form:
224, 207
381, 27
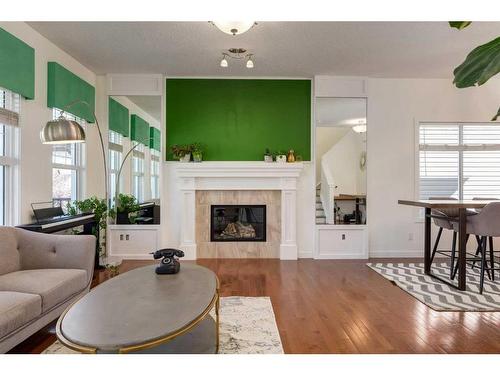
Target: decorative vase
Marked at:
281, 158
268, 158
185, 159
291, 156
197, 157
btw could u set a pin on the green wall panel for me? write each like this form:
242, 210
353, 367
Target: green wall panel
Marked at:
237, 119
154, 140
65, 87
118, 117
139, 130
17, 65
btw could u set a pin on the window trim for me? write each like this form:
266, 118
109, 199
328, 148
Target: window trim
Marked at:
11, 162
80, 163
116, 147
155, 157
140, 154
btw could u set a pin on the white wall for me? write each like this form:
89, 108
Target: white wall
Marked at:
326, 137
343, 162
394, 106
35, 164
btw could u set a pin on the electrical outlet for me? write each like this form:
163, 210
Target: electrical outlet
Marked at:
410, 236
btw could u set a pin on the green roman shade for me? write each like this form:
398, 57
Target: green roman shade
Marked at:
65, 87
154, 139
139, 130
118, 117
17, 65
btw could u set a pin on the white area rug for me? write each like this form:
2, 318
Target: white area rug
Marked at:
247, 326
438, 295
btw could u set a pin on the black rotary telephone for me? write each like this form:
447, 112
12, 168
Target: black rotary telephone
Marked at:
169, 264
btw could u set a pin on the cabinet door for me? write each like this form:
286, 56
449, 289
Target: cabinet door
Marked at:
133, 243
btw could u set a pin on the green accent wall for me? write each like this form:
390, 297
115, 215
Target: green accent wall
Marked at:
118, 117
154, 139
139, 130
65, 87
17, 65
237, 119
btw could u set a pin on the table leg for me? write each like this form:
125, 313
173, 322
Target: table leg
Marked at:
427, 242
462, 248
217, 306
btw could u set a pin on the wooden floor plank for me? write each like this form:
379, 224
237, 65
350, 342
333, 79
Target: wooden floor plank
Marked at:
337, 306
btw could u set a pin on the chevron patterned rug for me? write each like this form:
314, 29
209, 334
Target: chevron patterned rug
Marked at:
437, 295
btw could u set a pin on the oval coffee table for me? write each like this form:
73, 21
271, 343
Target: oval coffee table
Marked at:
140, 311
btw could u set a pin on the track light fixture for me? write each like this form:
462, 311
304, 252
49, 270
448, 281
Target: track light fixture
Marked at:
237, 54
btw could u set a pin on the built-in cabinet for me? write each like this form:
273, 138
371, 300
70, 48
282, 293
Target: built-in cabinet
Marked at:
133, 241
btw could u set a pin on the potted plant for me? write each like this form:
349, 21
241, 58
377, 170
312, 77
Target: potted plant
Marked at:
181, 152
99, 208
268, 156
281, 157
125, 210
197, 151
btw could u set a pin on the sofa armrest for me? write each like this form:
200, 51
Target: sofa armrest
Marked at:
39, 251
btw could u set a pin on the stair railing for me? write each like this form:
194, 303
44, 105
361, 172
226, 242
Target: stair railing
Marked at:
327, 193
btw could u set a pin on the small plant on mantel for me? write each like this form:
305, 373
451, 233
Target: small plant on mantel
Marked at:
182, 152
197, 151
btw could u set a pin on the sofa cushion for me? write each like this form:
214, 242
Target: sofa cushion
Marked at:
9, 255
17, 309
53, 285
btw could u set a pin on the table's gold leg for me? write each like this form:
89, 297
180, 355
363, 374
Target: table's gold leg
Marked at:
217, 305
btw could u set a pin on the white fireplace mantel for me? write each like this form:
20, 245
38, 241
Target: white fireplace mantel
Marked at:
238, 176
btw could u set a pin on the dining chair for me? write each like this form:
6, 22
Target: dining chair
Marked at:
490, 239
485, 225
443, 220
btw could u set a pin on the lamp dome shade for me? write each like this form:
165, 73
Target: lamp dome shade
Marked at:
62, 131
234, 27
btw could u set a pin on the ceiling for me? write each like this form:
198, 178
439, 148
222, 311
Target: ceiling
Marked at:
149, 104
282, 49
340, 111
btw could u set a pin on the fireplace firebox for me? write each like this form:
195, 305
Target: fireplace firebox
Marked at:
231, 223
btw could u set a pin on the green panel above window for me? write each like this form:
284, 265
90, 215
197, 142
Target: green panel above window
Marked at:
154, 139
17, 65
139, 130
65, 87
118, 117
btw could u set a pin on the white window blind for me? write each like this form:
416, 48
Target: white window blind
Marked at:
459, 160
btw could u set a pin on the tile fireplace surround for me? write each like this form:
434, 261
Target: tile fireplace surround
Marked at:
238, 176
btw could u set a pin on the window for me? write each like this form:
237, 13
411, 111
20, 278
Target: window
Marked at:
67, 167
9, 151
138, 173
115, 160
459, 160
155, 174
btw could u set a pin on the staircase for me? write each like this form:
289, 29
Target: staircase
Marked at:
320, 212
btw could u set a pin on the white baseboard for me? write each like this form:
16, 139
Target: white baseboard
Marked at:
305, 254
397, 254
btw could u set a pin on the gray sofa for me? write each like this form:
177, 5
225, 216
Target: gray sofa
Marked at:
40, 275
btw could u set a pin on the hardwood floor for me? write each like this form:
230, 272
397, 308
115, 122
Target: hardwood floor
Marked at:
337, 306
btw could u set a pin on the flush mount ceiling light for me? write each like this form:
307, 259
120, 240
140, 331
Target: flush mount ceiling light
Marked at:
234, 27
237, 54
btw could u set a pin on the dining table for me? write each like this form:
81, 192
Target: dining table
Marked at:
462, 205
